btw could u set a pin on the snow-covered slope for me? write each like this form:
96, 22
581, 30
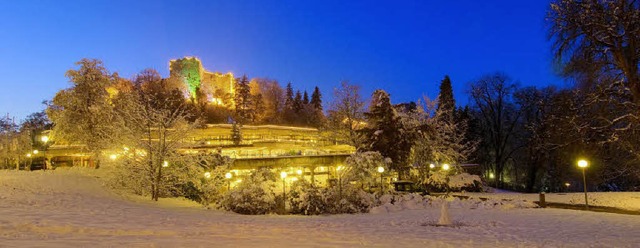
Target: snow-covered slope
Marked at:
72, 209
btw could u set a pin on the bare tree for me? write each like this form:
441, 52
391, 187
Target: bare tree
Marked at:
346, 114
492, 95
598, 38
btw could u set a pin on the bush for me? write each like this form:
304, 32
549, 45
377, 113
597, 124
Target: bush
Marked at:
254, 195
309, 199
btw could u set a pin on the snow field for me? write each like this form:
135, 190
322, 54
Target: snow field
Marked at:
398, 203
74, 209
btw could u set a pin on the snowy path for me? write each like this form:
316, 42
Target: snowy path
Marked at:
52, 209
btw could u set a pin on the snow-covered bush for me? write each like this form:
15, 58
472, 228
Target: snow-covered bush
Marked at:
442, 181
350, 201
183, 176
466, 182
254, 195
308, 199
361, 169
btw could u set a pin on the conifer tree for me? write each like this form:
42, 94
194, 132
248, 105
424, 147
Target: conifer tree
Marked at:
446, 102
305, 98
297, 102
236, 133
243, 99
316, 99
288, 100
384, 132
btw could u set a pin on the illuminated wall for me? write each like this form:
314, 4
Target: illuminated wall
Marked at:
212, 84
190, 70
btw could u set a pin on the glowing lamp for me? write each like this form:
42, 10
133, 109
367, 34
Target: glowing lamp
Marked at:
432, 166
207, 174
299, 172
35, 151
583, 163
113, 156
165, 164
228, 175
44, 139
445, 167
28, 155
380, 169
283, 175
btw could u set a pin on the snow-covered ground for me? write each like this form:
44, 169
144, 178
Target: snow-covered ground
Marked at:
622, 200
72, 209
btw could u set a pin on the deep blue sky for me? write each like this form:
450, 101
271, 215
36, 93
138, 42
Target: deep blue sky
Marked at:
404, 47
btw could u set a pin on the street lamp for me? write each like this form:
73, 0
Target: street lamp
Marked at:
44, 140
583, 164
381, 170
283, 175
228, 176
445, 167
339, 181
30, 161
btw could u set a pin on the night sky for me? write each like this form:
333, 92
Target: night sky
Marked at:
404, 47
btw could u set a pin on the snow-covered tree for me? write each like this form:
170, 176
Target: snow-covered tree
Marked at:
385, 133
361, 169
156, 119
84, 113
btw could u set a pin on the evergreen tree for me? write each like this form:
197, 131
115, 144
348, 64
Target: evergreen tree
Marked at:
384, 132
316, 99
259, 109
446, 102
305, 98
297, 102
288, 100
242, 99
236, 133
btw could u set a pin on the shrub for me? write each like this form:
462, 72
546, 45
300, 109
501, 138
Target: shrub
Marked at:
254, 195
309, 199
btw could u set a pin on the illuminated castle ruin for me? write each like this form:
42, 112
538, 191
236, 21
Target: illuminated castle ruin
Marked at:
218, 88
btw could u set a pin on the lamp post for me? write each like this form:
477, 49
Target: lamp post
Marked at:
30, 161
283, 175
583, 164
446, 167
339, 181
44, 140
228, 176
381, 170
